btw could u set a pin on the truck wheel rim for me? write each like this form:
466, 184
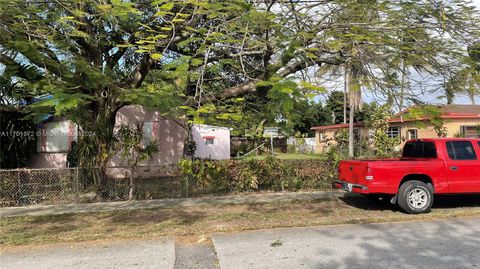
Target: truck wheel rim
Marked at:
417, 198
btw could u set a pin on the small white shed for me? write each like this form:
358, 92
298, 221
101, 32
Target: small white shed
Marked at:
213, 142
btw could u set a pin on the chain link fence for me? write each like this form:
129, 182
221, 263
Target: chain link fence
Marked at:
21, 187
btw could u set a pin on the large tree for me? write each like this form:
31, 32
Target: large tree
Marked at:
94, 57
382, 45
383, 41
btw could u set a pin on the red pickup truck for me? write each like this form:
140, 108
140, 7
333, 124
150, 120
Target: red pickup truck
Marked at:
427, 167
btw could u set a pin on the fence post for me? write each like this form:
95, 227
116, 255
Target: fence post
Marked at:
77, 187
186, 187
19, 188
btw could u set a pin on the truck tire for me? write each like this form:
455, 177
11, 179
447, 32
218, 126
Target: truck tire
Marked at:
415, 197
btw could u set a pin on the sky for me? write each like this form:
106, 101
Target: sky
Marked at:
433, 98
424, 88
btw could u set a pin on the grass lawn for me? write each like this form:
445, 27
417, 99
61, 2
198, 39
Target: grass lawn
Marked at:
194, 223
292, 156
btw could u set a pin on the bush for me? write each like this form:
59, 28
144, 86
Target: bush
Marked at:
271, 174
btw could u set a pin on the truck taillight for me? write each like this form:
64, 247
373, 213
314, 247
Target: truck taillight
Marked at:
369, 175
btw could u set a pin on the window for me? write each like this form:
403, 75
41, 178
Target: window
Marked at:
419, 149
321, 137
393, 132
461, 150
56, 137
356, 134
412, 134
150, 130
147, 130
209, 141
470, 131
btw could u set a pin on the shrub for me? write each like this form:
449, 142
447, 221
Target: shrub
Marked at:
249, 175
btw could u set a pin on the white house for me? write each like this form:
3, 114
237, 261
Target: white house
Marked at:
212, 142
56, 135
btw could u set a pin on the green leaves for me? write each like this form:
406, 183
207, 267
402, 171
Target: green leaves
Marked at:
168, 6
378, 121
156, 56
165, 99
133, 145
311, 87
62, 103
199, 50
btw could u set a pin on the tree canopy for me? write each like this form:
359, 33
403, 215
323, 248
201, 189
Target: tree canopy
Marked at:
240, 62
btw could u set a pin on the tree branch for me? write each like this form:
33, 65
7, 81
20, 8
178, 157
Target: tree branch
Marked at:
141, 71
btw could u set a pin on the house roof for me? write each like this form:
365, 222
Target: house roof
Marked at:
446, 112
461, 109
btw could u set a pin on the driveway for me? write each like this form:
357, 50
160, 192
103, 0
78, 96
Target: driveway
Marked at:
434, 244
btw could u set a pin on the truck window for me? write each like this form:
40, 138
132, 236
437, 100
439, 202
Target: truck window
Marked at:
461, 150
419, 149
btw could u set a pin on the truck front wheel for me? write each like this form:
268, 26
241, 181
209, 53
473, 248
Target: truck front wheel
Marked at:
415, 197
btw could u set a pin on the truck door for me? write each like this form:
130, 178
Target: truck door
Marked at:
463, 167
478, 166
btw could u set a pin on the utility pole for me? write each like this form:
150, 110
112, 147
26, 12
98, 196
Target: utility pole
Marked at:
353, 96
345, 93
351, 152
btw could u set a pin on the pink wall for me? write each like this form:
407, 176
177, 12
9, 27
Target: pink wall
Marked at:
169, 132
48, 160
48, 156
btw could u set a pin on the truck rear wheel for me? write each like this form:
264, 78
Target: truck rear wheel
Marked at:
415, 197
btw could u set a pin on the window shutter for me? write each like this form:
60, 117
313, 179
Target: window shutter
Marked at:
150, 130
155, 129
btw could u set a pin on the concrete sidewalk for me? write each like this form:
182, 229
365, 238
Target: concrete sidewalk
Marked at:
159, 253
165, 203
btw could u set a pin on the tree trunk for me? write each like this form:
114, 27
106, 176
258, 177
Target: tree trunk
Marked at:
103, 124
351, 152
471, 90
402, 87
355, 101
345, 94
449, 94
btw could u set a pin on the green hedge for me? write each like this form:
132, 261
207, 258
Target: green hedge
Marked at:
271, 174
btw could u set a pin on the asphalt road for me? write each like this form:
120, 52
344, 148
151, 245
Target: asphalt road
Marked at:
436, 244
121, 254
